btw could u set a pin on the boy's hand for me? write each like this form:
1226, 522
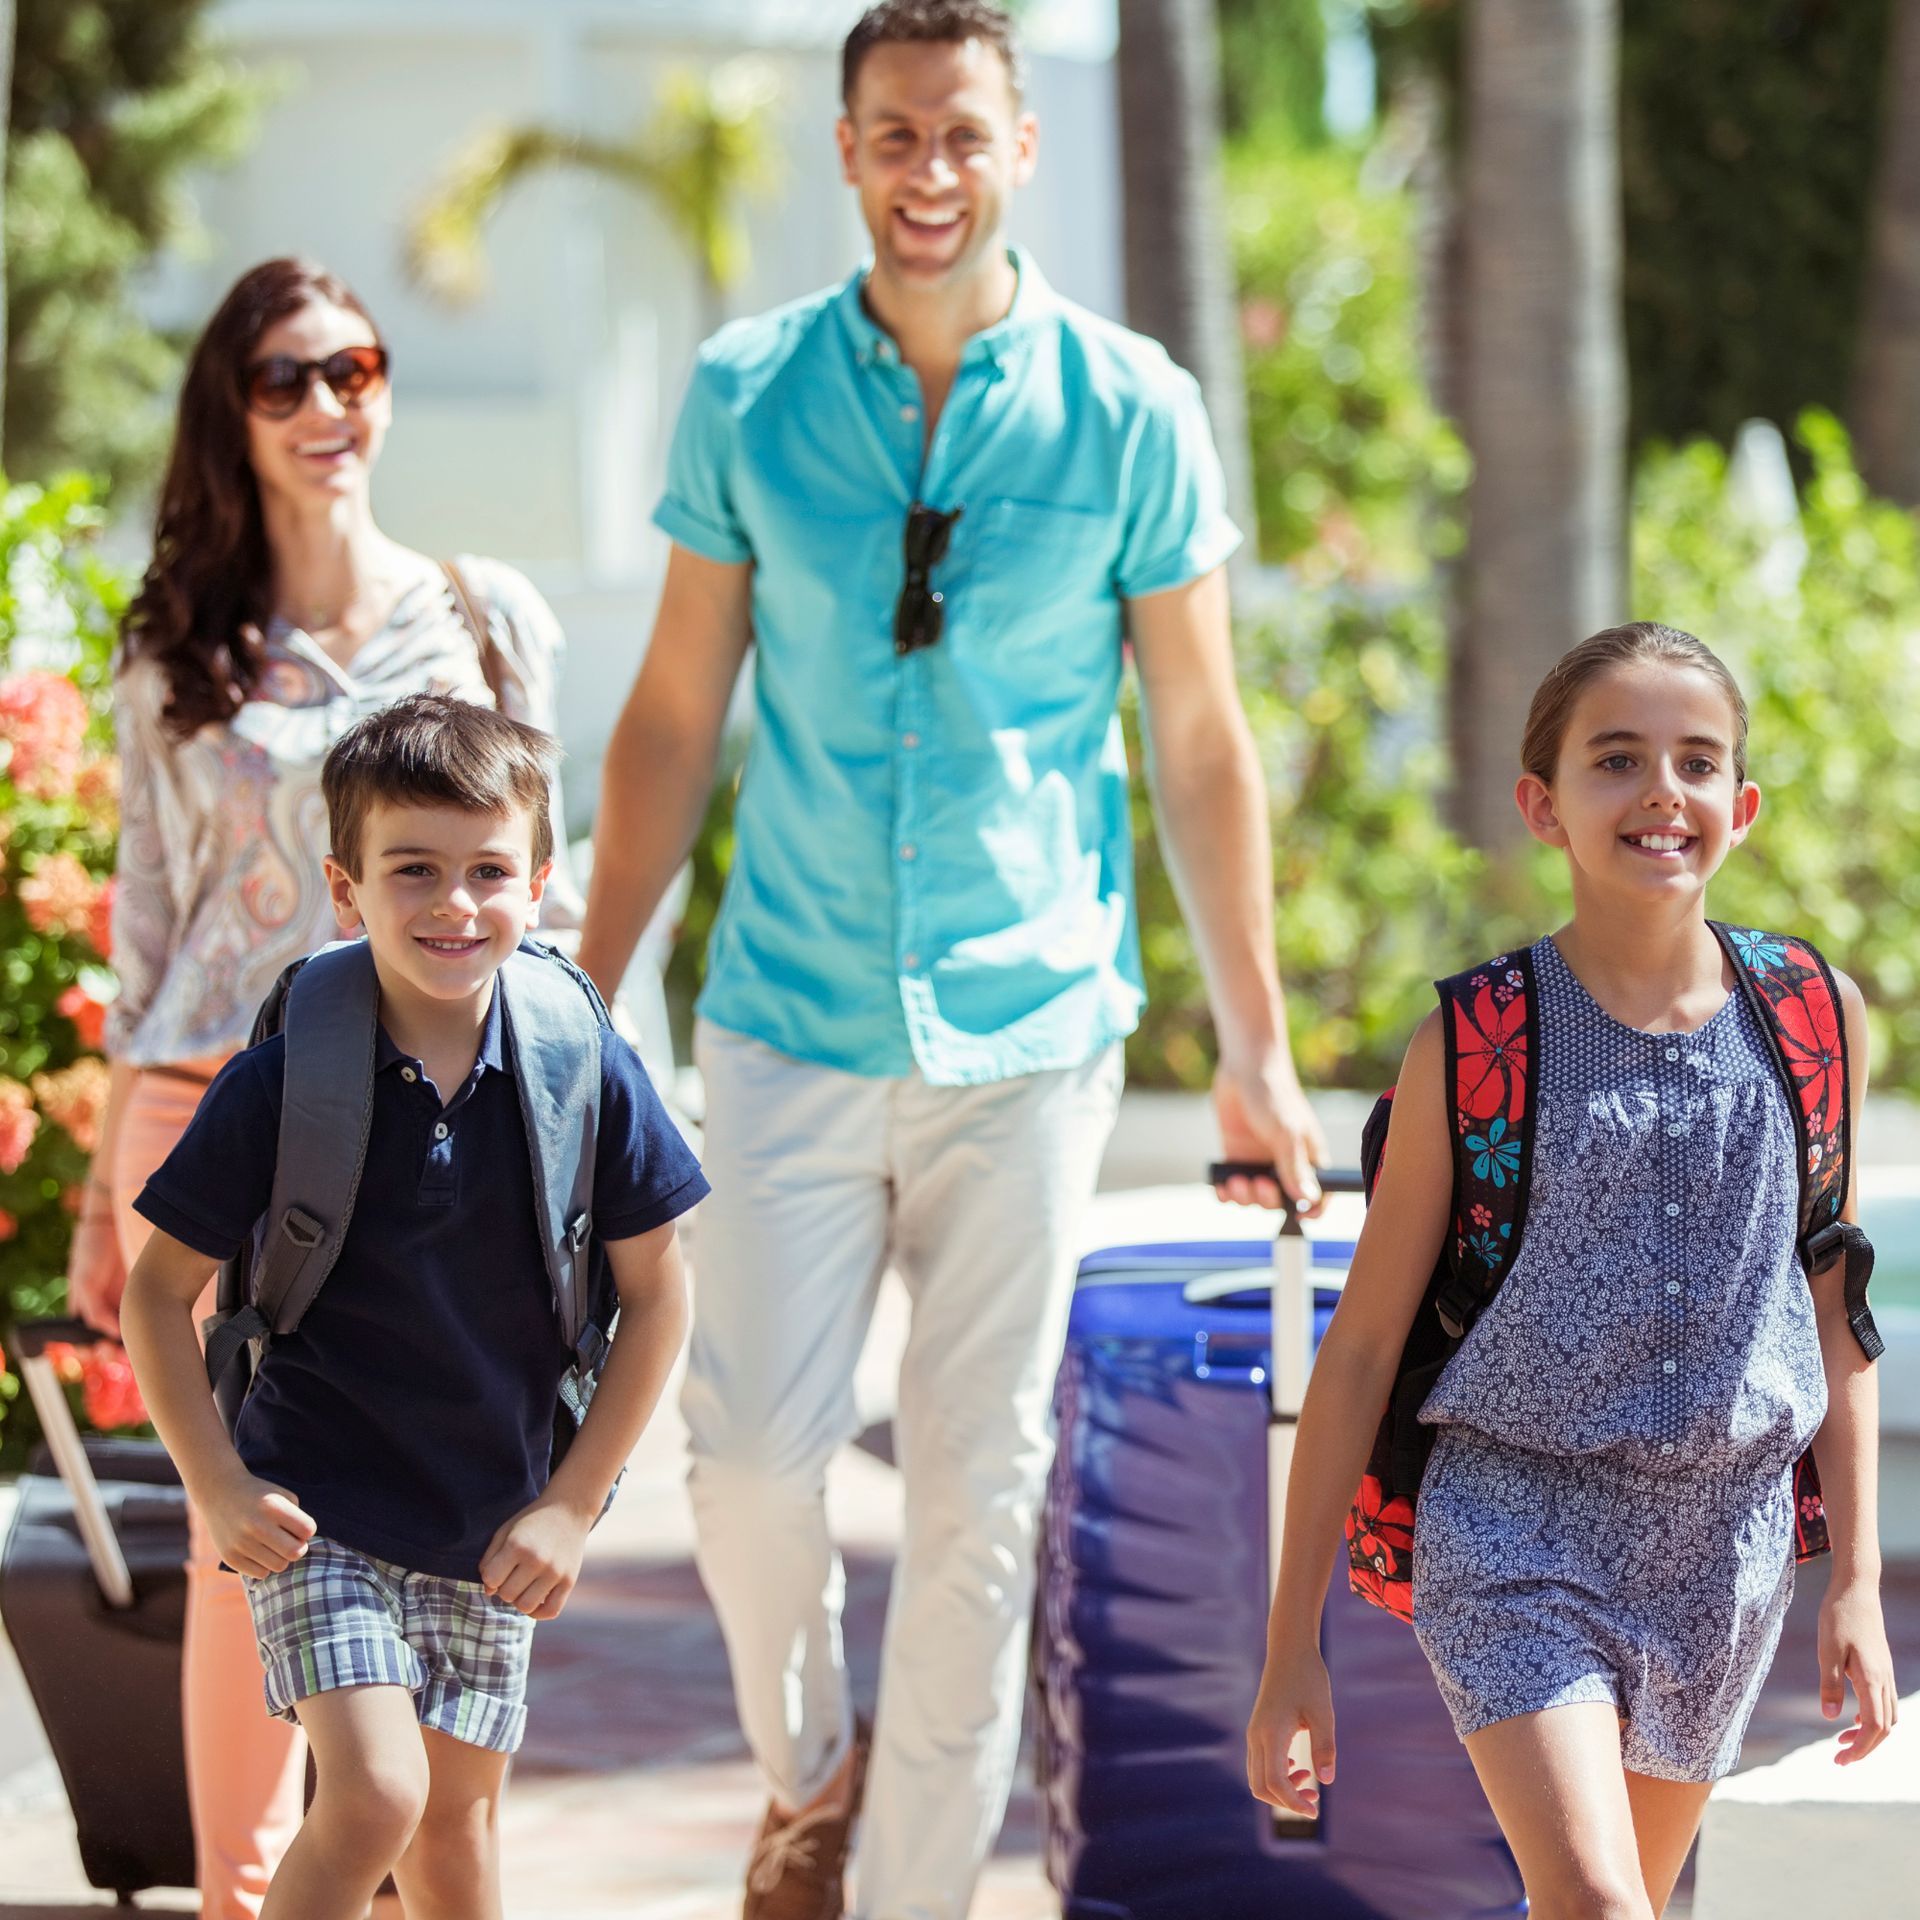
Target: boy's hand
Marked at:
258, 1527
1853, 1647
533, 1560
1295, 1696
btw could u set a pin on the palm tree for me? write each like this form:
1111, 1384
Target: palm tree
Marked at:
1544, 405
707, 146
1886, 379
1178, 271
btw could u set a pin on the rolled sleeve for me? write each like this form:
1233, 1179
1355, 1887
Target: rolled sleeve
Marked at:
1177, 528
698, 510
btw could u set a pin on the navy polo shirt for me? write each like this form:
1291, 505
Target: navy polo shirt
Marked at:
412, 1411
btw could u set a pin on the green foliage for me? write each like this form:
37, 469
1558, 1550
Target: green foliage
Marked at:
1273, 57
1832, 673
1353, 469
59, 611
1748, 136
113, 102
1371, 890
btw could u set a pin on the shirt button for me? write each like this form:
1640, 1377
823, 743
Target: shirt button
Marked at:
1673, 1053
909, 961
1666, 1446
909, 740
909, 413
1676, 1129
1666, 1366
408, 1074
440, 1133
909, 851
1673, 1286
1673, 1207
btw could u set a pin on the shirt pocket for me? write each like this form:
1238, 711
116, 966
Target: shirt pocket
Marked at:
1032, 566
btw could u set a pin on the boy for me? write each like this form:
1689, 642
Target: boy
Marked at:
386, 1492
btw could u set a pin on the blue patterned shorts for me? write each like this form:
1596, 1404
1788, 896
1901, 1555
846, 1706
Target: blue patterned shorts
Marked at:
338, 1618
1541, 1580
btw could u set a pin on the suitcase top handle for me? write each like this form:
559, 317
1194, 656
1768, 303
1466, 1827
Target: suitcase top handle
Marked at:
1332, 1180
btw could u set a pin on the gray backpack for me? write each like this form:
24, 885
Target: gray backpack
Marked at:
328, 1008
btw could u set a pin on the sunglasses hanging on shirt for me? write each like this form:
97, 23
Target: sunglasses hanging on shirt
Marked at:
920, 614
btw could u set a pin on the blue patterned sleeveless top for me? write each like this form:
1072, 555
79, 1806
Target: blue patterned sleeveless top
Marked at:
1657, 1313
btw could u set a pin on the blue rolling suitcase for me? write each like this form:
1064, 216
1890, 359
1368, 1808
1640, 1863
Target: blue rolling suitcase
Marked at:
1150, 1623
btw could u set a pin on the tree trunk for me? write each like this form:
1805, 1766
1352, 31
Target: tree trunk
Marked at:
1544, 407
1180, 286
1886, 379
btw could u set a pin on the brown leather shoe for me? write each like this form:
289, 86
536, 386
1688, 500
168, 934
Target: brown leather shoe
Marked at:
797, 1870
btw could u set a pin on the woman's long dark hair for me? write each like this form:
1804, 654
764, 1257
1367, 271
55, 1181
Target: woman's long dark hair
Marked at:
204, 603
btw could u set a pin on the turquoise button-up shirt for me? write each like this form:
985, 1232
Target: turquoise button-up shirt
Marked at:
933, 866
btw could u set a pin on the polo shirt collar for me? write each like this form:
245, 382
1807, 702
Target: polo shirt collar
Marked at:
1033, 304
492, 1055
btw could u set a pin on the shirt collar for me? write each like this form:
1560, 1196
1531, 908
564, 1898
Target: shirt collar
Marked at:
492, 1055
1033, 303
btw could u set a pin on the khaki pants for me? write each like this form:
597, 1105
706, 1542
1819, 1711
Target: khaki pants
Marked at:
975, 1195
245, 1771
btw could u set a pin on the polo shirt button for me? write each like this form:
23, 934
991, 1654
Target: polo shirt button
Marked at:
1666, 1366
909, 851
439, 1129
407, 1074
1673, 1207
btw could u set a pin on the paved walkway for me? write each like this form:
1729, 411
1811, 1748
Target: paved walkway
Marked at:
633, 1795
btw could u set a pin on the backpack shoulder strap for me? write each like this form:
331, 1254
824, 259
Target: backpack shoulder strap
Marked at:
329, 1014
1792, 992
1491, 1017
553, 1020
475, 617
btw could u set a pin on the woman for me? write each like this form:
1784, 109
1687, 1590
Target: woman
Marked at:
274, 614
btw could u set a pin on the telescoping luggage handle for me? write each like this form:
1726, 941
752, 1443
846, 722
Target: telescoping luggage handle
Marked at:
31, 1339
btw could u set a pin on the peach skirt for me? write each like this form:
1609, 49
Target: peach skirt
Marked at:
245, 1771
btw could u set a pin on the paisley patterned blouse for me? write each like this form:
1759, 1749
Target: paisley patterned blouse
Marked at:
219, 883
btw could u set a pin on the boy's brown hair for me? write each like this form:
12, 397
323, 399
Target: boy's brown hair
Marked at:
433, 750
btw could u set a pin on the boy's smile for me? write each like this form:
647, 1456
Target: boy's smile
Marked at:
1645, 797
444, 896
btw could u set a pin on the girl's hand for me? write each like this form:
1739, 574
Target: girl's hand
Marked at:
258, 1527
1295, 1694
96, 1276
1853, 1647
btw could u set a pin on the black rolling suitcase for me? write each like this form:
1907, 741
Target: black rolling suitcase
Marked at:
92, 1596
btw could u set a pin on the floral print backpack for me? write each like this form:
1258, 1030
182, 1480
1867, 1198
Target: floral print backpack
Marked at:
1492, 1032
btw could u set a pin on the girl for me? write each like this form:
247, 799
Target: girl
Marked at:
1604, 1548
275, 613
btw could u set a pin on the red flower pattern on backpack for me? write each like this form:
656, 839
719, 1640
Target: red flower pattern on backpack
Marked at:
1490, 1044
1380, 1548
1810, 1035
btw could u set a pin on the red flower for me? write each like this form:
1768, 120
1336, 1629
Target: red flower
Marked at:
108, 1389
1810, 1035
1491, 1042
43, 720
1380, 1548
89, 1017
100, 920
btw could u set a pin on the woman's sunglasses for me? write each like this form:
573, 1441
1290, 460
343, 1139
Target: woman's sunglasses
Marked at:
276, 387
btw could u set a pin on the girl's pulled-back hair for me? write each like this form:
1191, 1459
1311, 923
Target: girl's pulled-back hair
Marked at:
205, 599
1559, 693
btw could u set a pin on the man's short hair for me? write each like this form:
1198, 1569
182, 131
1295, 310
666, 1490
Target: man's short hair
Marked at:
433, 750
936, 22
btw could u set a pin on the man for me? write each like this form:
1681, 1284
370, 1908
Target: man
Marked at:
936, 498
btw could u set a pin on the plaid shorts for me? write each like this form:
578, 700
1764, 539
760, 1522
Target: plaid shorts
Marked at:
338, 1618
